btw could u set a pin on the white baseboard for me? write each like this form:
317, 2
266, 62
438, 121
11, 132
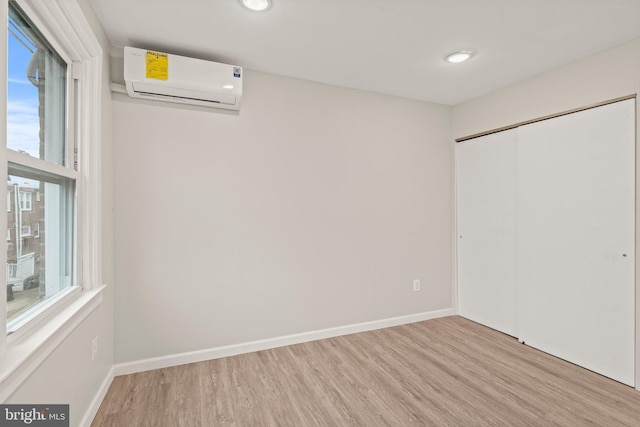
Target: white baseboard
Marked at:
92, 410
249, 347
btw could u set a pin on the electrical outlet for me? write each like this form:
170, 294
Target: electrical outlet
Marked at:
94, 348
416, 285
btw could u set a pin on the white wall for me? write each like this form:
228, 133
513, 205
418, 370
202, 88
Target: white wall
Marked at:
606, 75
315, 207
600, 77
68, 375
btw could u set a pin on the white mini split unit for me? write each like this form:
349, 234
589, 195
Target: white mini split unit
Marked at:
172, 78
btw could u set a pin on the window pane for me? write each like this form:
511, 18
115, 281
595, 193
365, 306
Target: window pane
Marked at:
36, 92
39, 239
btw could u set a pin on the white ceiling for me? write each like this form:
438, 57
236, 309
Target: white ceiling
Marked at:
389, 46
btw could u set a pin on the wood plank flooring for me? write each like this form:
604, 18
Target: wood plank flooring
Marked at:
442, 372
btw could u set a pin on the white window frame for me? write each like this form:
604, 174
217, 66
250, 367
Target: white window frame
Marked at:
26, 201
64, 25
25, 231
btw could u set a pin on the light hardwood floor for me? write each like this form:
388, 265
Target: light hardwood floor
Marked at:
442, 372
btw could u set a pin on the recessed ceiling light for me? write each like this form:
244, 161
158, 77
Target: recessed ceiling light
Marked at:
257, 5
459, 56
227, 87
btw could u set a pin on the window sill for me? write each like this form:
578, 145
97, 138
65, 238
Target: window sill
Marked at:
22, 357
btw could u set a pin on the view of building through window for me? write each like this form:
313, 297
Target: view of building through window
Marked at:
24, 250
40, 204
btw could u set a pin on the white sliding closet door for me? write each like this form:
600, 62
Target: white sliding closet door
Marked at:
576, 238
486, 188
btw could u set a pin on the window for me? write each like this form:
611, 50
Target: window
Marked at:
51, 78
37, 92
39, 106
25, 231
25, 201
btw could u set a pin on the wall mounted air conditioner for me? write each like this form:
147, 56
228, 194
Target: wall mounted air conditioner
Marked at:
172, 78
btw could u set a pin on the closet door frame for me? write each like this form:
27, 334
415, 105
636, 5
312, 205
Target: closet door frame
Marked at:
636, 283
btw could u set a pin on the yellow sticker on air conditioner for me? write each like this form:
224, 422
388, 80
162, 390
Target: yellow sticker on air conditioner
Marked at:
157, 65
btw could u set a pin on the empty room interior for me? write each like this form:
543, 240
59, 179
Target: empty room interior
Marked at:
281, 212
